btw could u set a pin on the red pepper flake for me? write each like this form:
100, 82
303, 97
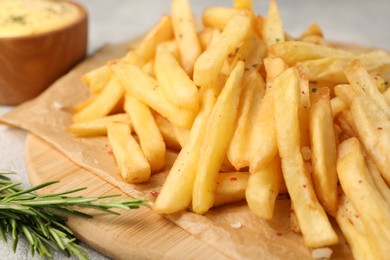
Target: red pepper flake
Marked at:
360, 181
303, 92
233, 178
350, 221
304, 186
279, 234
379, 128
154, 193
356, 215
110, 152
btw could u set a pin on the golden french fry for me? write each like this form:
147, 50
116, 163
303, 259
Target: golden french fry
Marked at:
218, 17
378, 180
97, 79
152, 143
263, 189
296, 51
363, 84
219, 130
166, 130
337, 105
210, 62
84, 104
373, 129
176, 193
313, 221
354, 231
324, 154
97, 126
243, 4
176, 84
251, 96
231, 187
367, 200
161, 32
132, 163
273, 26
103, 104
185, 34
146, 89
313, 34
345, 92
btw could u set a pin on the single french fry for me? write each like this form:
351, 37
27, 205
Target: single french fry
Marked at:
210, 62
132, 163
371, 207
97, 126
103, 104
324, 154
354, 231
243, 4
337, 105
313, 221
363, 84
97, 79
218, 17
166, 130
345, 92
185, 34
231, 187
176, 84
161, 32
296, 51
251, 96
176, 193
313, 29
263, 189
373, 129
219, 130
151, 141
146, 89
273, 26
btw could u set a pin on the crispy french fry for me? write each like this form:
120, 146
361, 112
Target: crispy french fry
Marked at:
337, 105
210, 62
132, 163
363, 84
313, 221
176, 84
176, 193
313, 34
296, 51
371, 207
146, 89
103, 104
219, 130
331, 69
354, 231
230, 187
324, 154
373, 129
263, 189
166, 130
251, 96
97, 126
273, 26
218, 17
185, 34
161, 32
152, 143
243, 4
97, 79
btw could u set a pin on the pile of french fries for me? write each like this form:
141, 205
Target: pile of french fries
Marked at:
253, 113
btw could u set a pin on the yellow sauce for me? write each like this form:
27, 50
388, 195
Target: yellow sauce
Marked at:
30, 17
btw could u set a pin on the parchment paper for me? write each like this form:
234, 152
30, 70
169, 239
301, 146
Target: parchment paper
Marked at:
48, 116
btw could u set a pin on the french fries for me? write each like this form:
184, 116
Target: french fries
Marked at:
252, 113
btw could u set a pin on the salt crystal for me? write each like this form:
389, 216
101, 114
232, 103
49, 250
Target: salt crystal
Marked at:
57, 105
236, 225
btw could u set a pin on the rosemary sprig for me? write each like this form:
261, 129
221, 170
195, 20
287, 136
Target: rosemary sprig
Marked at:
41, 218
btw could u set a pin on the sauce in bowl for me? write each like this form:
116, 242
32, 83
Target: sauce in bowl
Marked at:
31, 17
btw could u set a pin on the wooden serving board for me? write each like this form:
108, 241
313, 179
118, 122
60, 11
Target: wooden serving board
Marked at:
135, 234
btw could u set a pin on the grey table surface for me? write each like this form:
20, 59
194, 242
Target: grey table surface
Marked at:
356, 21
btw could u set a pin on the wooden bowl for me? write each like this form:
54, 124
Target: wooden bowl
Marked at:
29, 64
